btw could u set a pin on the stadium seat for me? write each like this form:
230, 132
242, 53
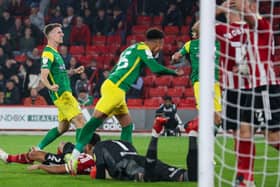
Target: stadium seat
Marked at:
76, 50
85, 60
149, 80
163, 81
187, 70
157, 20
114, 40
113, 49
157, 92
170, 39
176, 100
20, 58
184, 38
169, 49
99, 40
185, 30
144, 20
171, 30
139, 29
153, 102
40, 48
188, 20
187, 103
180, 81
135, 102
176, 91
189, 92
108, 60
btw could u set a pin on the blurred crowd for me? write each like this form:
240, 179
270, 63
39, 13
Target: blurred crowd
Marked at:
21, 25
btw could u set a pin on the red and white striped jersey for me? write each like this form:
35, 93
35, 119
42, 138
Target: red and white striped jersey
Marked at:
261, 51
85, 163
234, 39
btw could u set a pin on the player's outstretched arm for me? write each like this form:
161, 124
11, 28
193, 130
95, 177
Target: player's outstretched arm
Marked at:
58, 169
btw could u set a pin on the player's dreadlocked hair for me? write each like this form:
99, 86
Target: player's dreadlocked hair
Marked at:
154, 34
48, 28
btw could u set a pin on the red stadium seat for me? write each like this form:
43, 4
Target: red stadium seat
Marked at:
153, 102
163, 81
187, 70
157, 20
180, 81
185, 30
176, 100
176, 91
149, 80
76, 50
157, 92
114, 40
85, 60
171, 30
98, 40
139, 29
170, 39
187, 103
188, 20
189, 92
20, 58
144, 20
135, 102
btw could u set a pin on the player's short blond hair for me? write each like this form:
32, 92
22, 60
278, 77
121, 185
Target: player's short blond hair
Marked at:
48, 28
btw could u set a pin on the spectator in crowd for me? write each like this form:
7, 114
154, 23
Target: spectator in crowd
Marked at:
82, 83
68, 6
2, 81
101, 23
70, 15
36, 32
5, 21
118, 23
56, 16
16, 32
88, 18
37, 17
84, 5
43, 91
152, 7
27, 43
73, 77
10, 68
12, 94
65, 55
32, 73
169, 110
2, 97
6, 46
136, 89
173, 16
34, 99
34, 54
103, 76
84, 98
18, 8
80, 33
3, 57
66, 28
3, 6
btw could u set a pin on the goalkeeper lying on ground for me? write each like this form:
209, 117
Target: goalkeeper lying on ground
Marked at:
117, 159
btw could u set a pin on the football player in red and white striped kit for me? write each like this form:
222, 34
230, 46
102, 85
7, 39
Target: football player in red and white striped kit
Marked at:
261, 104
234, 36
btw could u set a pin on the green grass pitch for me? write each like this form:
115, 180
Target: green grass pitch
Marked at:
171, 150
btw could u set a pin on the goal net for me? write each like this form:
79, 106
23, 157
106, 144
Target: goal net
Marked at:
247, 147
